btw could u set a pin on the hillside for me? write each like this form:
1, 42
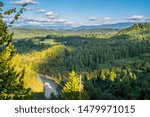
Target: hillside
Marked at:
28, 33
136, 28
137, 31
75, 50
102, 59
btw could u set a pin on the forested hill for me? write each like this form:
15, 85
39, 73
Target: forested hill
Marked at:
137, 31
106, 61
136, 28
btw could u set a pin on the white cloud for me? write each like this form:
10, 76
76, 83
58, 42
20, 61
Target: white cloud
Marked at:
42, 11
31, 8
97, 21
47, 18
72, 23
35, 23
93, 19
60, 20
147, 19
106, 19
22, 2
26, 19
34, 19
136, 17
8, 18
45, 21
49, 13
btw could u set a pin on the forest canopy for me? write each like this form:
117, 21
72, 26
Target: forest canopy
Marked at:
95, 64
112, 66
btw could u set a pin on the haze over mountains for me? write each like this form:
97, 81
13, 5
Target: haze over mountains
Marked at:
118, 26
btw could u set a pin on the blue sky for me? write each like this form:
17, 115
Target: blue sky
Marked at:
81, 12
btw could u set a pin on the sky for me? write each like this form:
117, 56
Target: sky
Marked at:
80, 12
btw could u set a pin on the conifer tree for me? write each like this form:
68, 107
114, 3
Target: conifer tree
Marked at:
73, 88
11, 82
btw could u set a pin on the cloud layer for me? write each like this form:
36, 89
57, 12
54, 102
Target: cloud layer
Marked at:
136, 17
22, 2
42, 17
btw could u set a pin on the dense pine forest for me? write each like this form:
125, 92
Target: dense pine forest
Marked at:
112, 65
94, 64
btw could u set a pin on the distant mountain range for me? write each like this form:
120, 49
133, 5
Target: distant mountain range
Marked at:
108, 26
118, 26
44, 27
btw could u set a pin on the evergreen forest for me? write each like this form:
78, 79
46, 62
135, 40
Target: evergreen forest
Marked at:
95, 64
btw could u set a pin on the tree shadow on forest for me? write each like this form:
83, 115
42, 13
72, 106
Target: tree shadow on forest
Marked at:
78, 41
28, 46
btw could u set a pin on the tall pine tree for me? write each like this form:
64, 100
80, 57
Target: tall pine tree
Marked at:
11, 82
74, 89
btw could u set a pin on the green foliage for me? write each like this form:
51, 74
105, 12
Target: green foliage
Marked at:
31, 78
30, 46
73, 88
112, 76
124, 86
28, 34
11, 81
138, 31
114, 65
